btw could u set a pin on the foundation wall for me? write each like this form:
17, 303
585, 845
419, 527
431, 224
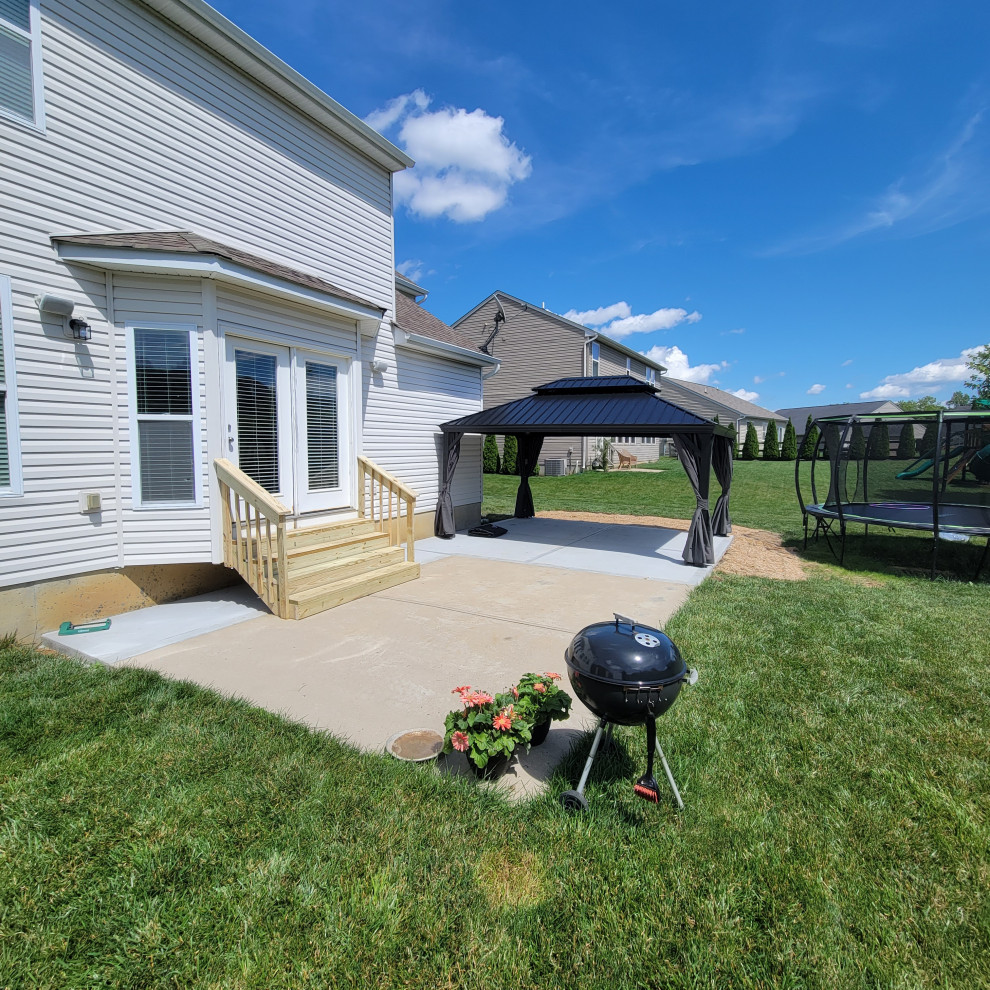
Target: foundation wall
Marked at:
29, 610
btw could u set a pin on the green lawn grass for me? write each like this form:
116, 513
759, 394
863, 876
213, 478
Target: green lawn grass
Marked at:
763, 496
832, 758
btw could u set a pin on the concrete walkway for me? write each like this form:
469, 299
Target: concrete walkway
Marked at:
385, 663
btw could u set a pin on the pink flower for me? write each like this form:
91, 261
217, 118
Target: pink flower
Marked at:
476, 699
551, 675
461, 690
515, 692
459, 741
539, 687
503, 720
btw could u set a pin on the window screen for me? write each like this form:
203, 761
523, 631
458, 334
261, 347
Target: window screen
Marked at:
16, 76
322, 426
257, 417
164, 408
4, 440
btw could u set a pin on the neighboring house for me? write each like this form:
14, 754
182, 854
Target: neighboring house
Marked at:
799, 415
537, 346
709, 401
197, 264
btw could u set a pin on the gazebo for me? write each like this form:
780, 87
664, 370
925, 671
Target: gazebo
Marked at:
618, 404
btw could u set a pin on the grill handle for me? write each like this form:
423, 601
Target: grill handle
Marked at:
623, 618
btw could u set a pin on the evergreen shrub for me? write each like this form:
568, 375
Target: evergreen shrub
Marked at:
907, 446
751, 445
510, 451
489, 455
788, 451
771, 445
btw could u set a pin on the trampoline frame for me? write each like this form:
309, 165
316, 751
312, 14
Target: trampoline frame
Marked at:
833, 509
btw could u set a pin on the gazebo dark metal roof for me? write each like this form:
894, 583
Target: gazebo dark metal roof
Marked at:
588, 407
594, 407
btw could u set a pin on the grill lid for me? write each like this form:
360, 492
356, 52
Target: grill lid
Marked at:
625, 652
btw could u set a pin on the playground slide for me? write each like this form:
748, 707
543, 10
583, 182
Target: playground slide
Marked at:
979, 466
921, 466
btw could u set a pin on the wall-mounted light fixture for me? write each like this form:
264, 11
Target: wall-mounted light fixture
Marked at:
61, 308
379, 367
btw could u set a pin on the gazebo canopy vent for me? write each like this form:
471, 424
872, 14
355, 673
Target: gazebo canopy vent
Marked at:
618, 404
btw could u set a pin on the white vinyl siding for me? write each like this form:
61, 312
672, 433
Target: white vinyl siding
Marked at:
165, 415
20, 62
10, 457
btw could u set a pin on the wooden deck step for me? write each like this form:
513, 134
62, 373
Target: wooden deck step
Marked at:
296, 539
327, 553
315, 575
319, 599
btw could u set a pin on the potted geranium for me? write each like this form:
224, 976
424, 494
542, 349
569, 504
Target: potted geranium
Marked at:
486, 729
542, 702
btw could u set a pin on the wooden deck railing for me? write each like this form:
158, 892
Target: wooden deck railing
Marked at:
387, 501
254, 535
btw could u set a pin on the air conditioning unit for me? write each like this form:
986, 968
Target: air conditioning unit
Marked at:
554, 467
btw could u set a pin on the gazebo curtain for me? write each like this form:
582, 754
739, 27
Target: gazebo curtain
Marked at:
528, 454
722, 463
695, 453
443, 523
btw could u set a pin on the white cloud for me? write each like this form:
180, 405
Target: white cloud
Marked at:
816, 390
742, 393
849, 385
758, 379
947, 190
464, 163
679, 366
618, 319
738, 330
924, 378
413, 269
596, 317
846, 363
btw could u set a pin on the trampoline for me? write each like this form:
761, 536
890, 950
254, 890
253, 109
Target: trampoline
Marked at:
873, 472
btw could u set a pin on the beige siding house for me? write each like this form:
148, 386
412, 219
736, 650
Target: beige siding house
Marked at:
535, 346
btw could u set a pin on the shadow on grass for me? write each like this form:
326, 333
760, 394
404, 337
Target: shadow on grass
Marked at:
897, 553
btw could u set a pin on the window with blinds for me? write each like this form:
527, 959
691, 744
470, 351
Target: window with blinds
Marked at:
7, 405
163, 396
322, 426
20, 48
257, 417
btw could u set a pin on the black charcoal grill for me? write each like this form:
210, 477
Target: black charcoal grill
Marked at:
627, 674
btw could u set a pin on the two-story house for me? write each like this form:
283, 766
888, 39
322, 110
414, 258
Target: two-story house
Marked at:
535, 346
199, 363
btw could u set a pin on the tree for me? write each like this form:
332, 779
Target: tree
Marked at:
771, 445
788, 451
927, 446
960, 400
879, 445
927, 403
979, 365
489, 455
857, 445
751, 445
510, 451
907, 447
810, 441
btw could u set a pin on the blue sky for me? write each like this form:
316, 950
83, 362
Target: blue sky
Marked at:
789, 200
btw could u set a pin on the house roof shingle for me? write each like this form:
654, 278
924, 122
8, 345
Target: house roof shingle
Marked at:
189, 242
410, 316
799, 414
732, 402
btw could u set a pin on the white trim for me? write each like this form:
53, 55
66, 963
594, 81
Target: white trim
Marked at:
115, 397
33, 37
16, 486
453, 352
195, 417
211, 266
213, 365
306, 342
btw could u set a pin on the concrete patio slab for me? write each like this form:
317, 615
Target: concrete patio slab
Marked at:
602, 548
147, 629
373, 667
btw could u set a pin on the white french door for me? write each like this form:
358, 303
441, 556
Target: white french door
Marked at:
287, 422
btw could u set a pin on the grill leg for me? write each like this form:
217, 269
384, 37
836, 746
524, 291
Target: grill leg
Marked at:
670, 777
591, 757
